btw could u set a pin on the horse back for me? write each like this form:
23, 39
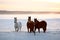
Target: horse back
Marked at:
43, 24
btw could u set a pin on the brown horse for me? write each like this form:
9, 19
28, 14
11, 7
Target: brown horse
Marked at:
39, 25
30, 25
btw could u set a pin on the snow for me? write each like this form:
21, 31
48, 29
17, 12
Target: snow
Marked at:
23, 35
7, 30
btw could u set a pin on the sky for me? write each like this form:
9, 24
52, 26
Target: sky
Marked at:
30, 5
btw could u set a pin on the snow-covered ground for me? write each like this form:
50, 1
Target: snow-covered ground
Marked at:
23, 35
7, 29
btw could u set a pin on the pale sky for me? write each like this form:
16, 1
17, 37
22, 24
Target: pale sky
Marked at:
30, 5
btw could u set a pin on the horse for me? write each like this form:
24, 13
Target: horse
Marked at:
30, 26
42, 24
17, 25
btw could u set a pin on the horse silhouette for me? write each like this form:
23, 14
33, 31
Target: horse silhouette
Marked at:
30, 25
17, 25
42, 24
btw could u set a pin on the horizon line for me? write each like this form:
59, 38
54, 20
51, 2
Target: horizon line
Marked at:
28, 12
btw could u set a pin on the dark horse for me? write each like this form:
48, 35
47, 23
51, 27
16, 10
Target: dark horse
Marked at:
30, 25
41, 24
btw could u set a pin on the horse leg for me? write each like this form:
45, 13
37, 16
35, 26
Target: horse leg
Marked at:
35, 29
44, 29
39, 30
28, 29
31, 30
15, 28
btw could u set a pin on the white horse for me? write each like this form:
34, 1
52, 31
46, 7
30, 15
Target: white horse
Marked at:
18, 26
